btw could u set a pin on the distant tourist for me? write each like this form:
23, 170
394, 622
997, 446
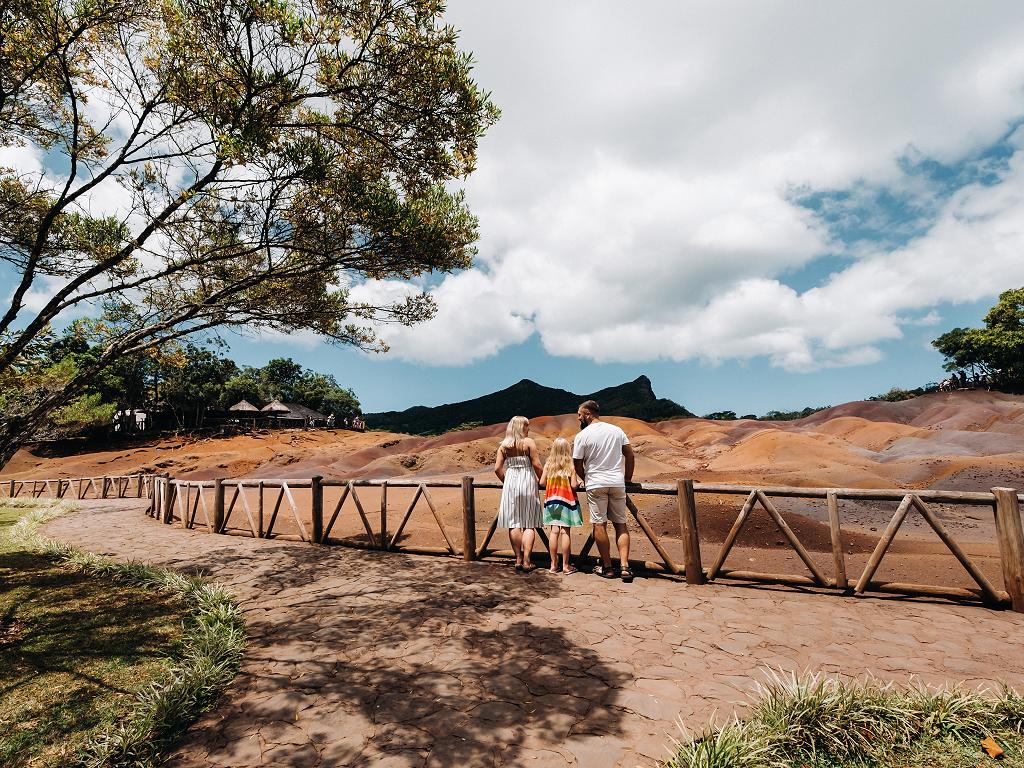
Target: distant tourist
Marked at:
561, 508
604, 461
517, 465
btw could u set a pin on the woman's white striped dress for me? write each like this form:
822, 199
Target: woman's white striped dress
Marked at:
520, 504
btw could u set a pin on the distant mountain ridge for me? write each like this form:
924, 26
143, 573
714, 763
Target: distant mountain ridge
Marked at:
635, 399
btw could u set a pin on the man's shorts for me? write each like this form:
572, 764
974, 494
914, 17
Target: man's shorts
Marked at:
607, 504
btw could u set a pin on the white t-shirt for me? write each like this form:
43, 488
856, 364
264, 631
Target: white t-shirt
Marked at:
600, 447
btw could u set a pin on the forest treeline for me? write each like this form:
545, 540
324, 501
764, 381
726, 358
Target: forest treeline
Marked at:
181, 382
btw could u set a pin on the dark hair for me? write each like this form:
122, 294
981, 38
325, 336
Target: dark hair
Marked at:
592, 406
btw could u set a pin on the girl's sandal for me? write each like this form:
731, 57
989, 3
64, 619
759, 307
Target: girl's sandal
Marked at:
627, 575
519, 568
570, 571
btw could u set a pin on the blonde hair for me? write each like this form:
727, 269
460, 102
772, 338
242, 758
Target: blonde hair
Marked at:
559, 463
515, 433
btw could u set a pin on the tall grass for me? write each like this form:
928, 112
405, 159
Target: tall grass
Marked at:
799, 720
207, 659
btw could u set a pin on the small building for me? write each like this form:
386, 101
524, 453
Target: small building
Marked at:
274, 408
294, 415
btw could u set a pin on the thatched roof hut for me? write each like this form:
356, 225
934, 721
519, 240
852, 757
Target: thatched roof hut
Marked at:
296, 411
244, 405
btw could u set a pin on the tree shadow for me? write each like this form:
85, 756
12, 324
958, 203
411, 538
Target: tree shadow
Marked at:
362, 656
69, 620
785, 588
74, 647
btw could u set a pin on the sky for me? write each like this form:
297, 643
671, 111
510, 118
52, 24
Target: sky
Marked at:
759, 205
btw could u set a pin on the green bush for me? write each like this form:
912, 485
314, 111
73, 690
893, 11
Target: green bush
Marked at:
799, 721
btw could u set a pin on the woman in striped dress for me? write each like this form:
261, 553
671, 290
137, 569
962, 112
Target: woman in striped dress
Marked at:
517, 465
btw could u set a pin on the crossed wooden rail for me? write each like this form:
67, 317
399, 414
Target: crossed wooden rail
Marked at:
262, 501
170, 496
100, 487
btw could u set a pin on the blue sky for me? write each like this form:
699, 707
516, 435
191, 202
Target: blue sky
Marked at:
754, 386
764, 209
761, 205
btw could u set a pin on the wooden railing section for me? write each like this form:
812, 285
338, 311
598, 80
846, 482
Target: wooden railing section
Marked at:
100, 487
212, 503
1004, 503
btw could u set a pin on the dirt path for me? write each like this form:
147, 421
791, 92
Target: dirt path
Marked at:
370, 659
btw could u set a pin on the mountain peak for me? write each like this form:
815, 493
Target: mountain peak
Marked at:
644, 383
634, 399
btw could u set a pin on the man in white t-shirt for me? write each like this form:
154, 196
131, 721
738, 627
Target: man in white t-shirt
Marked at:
604, 462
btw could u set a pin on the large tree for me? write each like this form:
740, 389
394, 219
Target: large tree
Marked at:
997, 350
218, 163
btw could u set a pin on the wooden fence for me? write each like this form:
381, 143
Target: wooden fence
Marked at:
213, 503
104, 487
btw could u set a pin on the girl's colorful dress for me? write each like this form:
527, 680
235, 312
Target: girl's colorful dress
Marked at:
560, 504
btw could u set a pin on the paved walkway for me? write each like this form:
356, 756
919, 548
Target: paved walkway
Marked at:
369, 659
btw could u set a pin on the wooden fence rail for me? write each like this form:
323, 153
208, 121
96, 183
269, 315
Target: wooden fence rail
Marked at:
212, 503
99, 487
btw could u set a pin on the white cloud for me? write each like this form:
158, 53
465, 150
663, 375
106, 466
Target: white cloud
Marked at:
23, 159
475, 319
636, 199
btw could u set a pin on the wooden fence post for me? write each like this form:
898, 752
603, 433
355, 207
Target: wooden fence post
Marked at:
468, 519
10, 493
687, 504
317, 491
260, 511
103, 493
168, 500
384, 515
218, 504
138, 486
1011, 544
836, 534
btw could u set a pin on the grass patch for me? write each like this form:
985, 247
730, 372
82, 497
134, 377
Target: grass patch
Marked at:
102, 663
817, 722
8, 517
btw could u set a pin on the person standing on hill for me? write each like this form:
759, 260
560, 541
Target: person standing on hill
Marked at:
604, 461
517, 466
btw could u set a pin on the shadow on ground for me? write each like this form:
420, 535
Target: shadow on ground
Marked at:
73, 648
358, 657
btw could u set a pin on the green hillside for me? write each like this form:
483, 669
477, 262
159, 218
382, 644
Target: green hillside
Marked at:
635, 399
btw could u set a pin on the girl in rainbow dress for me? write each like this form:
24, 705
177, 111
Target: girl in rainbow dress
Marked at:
561, 508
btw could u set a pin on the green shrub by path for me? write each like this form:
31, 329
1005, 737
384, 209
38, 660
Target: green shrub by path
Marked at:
819, 722
205, 655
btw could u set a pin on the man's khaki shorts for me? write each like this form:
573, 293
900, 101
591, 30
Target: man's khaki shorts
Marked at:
607, 504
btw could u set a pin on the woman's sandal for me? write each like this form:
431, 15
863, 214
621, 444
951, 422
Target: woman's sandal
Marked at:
604, 573
570, 571
519, 568
626, 574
